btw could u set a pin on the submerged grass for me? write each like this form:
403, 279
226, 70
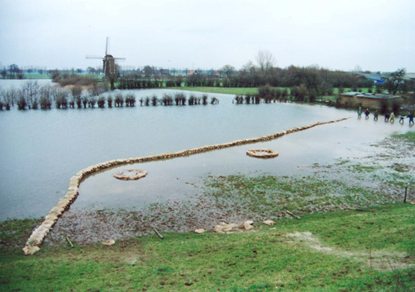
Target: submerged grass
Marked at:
321, 252
410, 136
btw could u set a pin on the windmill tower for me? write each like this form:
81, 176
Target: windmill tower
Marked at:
108, 65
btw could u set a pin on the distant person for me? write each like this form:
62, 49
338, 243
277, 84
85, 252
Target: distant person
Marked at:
411, 118
392, 117
387, 117
359, 112
402, 119
367, 113
375, 115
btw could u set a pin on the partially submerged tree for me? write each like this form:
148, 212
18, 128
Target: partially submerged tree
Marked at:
30, 91
60, 95
45, 99
76, 95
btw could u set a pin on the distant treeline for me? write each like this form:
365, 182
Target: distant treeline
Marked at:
318, 80
33, 96
267, 94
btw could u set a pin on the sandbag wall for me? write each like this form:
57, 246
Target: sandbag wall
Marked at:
38, 235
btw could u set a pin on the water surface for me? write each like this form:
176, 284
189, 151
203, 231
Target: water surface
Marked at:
41, 150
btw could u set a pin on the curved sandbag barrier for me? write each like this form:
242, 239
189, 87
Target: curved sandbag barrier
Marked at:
38, 235
262, 153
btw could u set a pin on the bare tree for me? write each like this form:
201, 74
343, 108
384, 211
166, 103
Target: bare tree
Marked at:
249, 68
30, 91
265, 61
357, 69
60, 95
76, 95
45, 99
10, 97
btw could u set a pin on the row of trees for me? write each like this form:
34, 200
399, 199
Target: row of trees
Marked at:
31, 95
268, 94
317, 80
179, 99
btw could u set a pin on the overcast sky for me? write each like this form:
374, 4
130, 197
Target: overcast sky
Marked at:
376, 35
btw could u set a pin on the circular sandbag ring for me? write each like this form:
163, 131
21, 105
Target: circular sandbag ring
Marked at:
262, 153
130, 174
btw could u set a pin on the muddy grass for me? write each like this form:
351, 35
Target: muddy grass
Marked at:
378, 178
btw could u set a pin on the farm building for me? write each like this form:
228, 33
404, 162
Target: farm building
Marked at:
378, 77
367, 100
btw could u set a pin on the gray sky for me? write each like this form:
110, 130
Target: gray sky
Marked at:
335, 34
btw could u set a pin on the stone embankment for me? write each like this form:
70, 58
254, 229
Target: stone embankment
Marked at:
38, 235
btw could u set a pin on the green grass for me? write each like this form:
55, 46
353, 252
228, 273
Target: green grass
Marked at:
224, 90
410, 136
37, 76
253, 261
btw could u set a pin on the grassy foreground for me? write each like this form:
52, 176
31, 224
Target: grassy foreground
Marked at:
320, 252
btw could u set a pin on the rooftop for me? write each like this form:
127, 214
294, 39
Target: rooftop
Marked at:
370, 95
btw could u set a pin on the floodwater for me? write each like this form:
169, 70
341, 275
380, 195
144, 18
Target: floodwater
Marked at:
41, 150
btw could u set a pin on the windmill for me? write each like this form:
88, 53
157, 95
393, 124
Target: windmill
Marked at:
109, 68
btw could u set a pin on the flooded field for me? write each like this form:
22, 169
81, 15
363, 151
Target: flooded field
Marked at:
41, 150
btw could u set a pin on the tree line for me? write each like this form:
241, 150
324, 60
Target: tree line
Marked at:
31, 95
178, 99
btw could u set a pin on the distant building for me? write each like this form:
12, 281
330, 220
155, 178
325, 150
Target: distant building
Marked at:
190, 73
367, 100
377, 77
164, 71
